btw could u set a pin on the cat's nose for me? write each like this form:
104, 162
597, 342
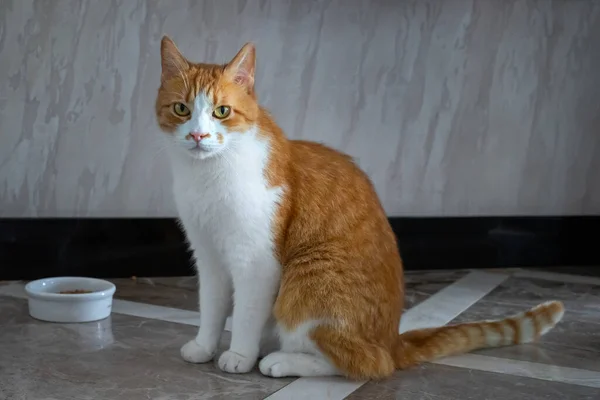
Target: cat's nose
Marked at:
197, 136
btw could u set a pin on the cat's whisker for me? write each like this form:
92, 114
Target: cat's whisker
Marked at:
159, 147
223, 156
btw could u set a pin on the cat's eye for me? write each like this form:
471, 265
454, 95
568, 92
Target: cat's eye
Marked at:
181, 109
221, 112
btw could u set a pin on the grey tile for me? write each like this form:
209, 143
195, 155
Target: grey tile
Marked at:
440, 382
118, 358
575, 342
526, 292
593, 271
175, 292
420, 285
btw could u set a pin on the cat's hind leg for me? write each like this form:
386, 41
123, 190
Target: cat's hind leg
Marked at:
355, 357
322, 350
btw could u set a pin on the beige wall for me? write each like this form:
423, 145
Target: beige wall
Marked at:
453, 107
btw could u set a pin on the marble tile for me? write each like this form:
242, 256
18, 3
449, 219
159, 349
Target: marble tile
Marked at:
160, 313
574, 342
322, 388
440, 382
119, 358
583, 271
138, 358
175, 292
582, 275
524, 369
420, 285
126, 307
181, 292
459, 107
175, 299
577, 296
445, 305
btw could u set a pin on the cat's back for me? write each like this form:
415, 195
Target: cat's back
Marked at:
321, 172
332, 198
309, 151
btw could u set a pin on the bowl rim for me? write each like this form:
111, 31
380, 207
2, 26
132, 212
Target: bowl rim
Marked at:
100, 294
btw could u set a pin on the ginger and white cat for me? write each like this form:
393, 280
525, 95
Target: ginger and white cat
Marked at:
293, 236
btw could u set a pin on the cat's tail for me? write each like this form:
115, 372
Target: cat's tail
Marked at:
422, 345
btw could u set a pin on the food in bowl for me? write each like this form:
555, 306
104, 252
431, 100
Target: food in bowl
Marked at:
76, 291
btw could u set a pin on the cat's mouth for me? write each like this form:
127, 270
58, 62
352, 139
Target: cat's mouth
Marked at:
202, 150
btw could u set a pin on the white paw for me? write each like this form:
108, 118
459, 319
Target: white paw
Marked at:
195, 353
274, 365
235, 363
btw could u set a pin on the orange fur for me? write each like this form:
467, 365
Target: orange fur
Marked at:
339, 256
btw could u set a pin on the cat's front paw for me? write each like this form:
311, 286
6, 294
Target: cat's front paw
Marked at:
236, 363
195, 353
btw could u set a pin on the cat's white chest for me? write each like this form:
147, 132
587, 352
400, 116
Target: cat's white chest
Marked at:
226, 205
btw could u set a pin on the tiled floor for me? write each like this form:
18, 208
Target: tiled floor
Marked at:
135, 353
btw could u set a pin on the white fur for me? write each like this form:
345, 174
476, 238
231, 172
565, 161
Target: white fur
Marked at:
556, 318
299, 356
492, 337
227, 210
527, 330
298, 341
280, 364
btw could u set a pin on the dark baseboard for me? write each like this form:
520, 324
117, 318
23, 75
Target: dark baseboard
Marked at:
35, 248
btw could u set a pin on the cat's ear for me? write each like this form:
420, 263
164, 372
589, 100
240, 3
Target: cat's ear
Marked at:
241, 69
173, 62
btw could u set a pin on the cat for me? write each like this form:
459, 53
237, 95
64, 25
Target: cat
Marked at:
292, 236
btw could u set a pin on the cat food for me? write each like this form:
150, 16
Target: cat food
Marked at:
76, 291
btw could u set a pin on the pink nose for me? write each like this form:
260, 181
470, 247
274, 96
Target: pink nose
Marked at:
198, 136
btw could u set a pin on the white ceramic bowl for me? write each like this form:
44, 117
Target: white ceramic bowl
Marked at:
47, 303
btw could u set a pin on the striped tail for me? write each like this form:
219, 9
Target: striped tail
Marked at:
422, 345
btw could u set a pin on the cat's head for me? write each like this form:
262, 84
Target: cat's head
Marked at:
205, 108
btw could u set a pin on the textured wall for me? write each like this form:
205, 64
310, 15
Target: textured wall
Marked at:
454, 107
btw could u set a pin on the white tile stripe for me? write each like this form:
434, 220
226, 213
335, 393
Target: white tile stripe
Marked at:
150, 311
437, 310
448, 303
160, 313
553, 373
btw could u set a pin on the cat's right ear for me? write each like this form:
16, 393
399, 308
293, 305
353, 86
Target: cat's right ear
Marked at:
173, 62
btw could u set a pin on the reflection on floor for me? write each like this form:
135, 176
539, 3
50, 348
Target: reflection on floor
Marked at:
135, 353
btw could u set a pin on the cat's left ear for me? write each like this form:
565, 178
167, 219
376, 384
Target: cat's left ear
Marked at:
241, 69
